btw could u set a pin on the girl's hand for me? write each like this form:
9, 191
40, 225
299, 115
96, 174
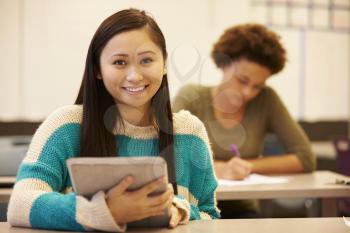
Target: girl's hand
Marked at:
175, 216
128, 206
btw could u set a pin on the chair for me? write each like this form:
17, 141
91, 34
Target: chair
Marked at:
12, 151
342, 146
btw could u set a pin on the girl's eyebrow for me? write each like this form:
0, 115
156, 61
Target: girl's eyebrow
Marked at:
126, 55
148, 51
120, 55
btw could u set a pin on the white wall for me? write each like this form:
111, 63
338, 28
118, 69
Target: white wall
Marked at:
44, 43
9, 59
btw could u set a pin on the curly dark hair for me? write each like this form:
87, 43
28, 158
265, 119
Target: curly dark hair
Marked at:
253, 42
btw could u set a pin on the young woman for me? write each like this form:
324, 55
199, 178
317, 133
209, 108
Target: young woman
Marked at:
242, 109
122, 109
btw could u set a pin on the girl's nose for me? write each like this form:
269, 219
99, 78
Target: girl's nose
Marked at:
134, 75
247, 92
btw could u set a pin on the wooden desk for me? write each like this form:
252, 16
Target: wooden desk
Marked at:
319, 184
276, 225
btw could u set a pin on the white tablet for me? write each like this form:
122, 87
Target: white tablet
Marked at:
92, 174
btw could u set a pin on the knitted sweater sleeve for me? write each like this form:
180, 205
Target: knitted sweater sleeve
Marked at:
42, 196
199, 198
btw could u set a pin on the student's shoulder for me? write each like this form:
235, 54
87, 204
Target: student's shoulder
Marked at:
64, 115
64, 121
186, 123
189, 129
192, 97
269, 103
268, 93
67, 113
193, 89
266, 99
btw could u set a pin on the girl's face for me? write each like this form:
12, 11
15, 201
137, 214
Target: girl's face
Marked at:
132, 68
243, 80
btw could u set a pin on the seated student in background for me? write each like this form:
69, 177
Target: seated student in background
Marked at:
122, 109
242, 109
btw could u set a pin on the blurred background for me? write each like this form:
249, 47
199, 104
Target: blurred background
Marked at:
43, 45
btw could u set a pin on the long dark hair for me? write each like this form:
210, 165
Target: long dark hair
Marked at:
96, 138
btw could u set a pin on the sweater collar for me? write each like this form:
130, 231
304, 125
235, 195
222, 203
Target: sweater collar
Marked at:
134, 131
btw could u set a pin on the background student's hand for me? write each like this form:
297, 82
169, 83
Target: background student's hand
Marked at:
128, 206
234, 169
239, 168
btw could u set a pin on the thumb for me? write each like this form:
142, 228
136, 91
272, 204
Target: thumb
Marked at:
120, 188
175, 217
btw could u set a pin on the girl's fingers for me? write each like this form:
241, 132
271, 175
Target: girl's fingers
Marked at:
150, 187
120, 188
161, 198
175, 217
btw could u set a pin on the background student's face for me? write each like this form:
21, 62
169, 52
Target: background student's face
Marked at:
242, 81
132, 68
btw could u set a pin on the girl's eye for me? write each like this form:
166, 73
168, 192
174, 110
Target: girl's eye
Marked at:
120, 62
242, 81
146, 61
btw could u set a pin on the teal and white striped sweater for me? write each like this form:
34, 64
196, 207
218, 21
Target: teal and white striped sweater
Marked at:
42, 196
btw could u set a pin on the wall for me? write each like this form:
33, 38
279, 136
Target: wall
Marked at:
43, 45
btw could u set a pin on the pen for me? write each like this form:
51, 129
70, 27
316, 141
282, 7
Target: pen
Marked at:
235, 151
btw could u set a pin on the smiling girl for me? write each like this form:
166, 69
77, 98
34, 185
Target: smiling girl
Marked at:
122, 109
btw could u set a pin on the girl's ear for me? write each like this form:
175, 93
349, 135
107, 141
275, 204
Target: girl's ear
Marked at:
99, 77
165, 70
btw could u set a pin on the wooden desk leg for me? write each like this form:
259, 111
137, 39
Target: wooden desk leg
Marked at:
329, 207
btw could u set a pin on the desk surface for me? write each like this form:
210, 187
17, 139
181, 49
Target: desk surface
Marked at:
276, 225
319, 184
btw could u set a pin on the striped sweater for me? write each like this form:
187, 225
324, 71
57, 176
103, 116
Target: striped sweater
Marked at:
43, 198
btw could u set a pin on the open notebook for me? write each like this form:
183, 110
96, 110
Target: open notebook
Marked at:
254, 179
